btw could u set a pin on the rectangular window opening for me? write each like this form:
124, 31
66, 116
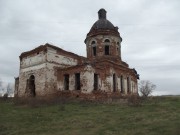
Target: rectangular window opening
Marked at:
106, 50
128, 85
66, 82
94, 51
122, 85
77, 81
114, 83
95, 81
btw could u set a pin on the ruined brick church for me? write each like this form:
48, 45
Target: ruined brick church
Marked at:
48, 69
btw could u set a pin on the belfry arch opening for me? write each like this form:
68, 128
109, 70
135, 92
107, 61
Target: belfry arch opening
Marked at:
107, 41
31, 86
107, 46
93, 42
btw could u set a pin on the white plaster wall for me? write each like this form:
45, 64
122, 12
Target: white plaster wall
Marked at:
57, 60
39, 81
51, 77
60, 85
130, 84
87, 79
26, 72
33, 67
125, 85
44, 71
22, 85
72, 82
99, 83
136, 88
53, 57
108, 84
133, 84
118, 84
33, 60
50, 74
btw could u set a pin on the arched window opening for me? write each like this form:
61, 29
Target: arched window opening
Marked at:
118, 43
107, 41
93, 42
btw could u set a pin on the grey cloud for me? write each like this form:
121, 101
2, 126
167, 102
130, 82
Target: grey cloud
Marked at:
150, 30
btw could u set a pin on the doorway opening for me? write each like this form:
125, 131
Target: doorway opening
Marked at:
31, 86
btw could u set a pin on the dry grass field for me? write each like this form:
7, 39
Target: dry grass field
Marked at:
155, 116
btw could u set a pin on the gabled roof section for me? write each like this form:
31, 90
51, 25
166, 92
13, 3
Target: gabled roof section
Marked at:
44, 48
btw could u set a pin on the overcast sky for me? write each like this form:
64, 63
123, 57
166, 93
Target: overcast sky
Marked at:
150, 30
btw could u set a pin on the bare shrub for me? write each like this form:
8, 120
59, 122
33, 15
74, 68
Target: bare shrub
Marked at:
5, 96
146, 88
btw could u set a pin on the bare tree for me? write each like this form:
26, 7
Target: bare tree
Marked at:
146, 88
10, 89
7, 89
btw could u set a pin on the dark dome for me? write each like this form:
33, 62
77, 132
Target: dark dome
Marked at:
102, 24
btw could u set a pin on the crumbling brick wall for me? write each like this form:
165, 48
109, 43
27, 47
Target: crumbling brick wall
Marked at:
42, 63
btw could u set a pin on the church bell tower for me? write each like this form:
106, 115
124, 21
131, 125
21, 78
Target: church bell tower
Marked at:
103, 40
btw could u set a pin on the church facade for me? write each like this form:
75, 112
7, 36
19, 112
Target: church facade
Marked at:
48, 69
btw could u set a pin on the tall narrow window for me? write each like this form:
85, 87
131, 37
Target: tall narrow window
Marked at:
118, 48
122, 84
93, 45
95, 81
128, 84
106, 50
114, 82
106, 46
66, 82
77, 81
94, 51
